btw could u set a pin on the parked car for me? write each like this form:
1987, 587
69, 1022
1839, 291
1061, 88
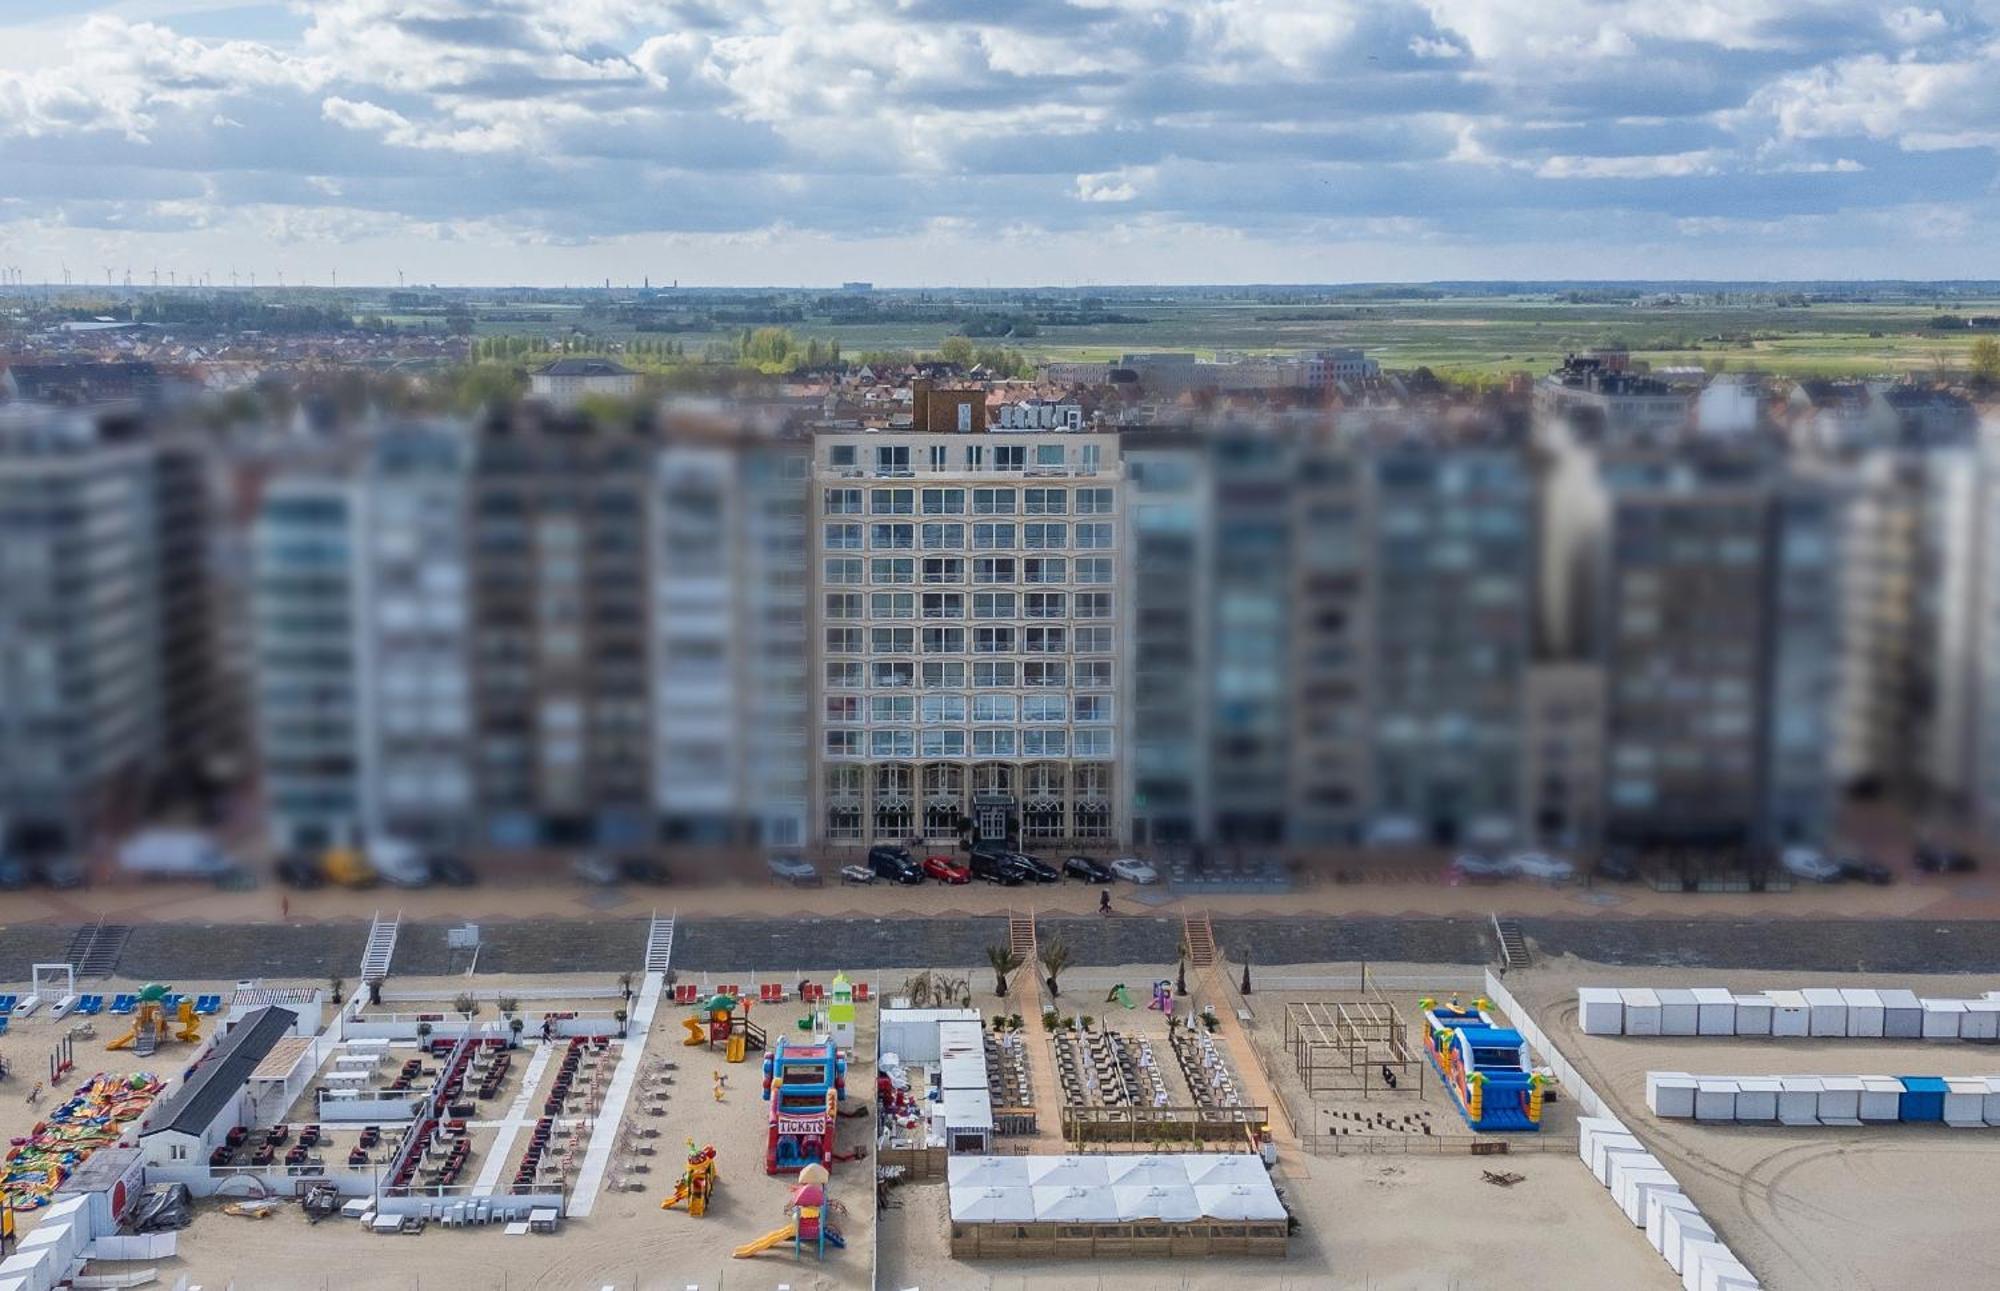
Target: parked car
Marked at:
1861, 869
1472, 867
795, 870
451, 870
13, 874
598, 871
300, 871
997, 867
1037, 869
894, 863
640, 868
1806, 863
60, 870
1134, 870
947, 869
1082, 867
856, 874
1933, 859
1540, 865
400, 863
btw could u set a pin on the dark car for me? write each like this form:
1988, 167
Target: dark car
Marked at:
1037, 869
644, 869
1863, 870
1082, 867
1933, 859
451, 870
59, 870
299, 871
895, 864
997, 867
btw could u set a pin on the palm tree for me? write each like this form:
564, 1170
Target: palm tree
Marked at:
1004, 962
1055, 957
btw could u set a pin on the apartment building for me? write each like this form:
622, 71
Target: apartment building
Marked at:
562, 718
967, 618
1602, 401
566, 383
85, 682
1167, 642
1332, 641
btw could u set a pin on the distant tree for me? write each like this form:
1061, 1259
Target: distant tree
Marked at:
1986, 360
956, 349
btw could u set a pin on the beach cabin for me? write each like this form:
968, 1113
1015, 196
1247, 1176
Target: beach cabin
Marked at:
1840, 1100
1680, 1227
1798, 1100
1715, 1099
1757, 1098
1657, 1207
1902, 1014
1881, 1098
1636, 1187
1923, 1098
1981, 1021
1753, 1015
1600, 1010
1670, 1093
1717, 1011
1965, 1101
1828, 1007
1942, 1019
1790, 1014
1604, 1148
1642, 1011
1864, 1012
1679, 1014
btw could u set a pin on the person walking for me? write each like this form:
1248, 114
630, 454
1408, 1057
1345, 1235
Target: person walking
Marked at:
1103, 902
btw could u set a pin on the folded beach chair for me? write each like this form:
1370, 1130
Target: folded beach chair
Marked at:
123, 1004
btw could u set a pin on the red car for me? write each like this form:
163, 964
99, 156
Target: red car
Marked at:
946, 870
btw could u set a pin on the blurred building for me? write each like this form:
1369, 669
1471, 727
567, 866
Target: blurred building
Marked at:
566, 383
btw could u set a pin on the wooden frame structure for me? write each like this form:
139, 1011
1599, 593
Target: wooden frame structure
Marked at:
1342, 1047
1113, 1240
1191, 1129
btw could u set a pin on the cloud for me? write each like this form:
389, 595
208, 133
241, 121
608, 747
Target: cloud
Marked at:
1675, 165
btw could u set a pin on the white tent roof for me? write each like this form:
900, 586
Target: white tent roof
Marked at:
971, 1172
1238, 1168
1075, 1206
992, 1205
1068, 1172
1174, 1205
1148, 1172
1238, 1201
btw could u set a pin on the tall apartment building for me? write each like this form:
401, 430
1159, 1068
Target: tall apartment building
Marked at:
1167, 642
1704, 581
562, 718
90, 675
967, 610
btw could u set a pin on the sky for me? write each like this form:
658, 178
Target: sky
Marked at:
997, 142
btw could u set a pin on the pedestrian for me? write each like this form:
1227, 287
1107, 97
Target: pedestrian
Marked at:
284, 906
1104, 902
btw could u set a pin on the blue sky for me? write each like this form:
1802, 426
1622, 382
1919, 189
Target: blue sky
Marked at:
1017, 142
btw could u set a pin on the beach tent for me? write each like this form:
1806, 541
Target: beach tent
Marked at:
1147, 1172
1237, 1202
988, 1172
1173, 1205
1227, 1170
1071, 1172
1074, 1206
992, 1206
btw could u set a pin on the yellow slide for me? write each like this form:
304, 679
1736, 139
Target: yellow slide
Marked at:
190, 1028
734, 1053
764, 1243
696, 1033
125, 1041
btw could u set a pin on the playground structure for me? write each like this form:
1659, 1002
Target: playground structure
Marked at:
1484, 1066
697, 1181
159, 1019
1163, 997
810, 1226
803, 1082
1352, 1047
717, 1024
94, 1117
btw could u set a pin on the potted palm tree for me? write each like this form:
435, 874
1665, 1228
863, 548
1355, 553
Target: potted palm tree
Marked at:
1055, 957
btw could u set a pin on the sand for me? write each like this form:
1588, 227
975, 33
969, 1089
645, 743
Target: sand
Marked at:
1805, 1208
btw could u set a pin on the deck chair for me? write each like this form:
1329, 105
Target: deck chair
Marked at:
771, 993
208, 1004
861, 992
684, 992
809, 992
90, 1005
7, 1003
123, 1004
731, 989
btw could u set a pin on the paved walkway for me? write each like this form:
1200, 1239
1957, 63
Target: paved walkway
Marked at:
519, 1116
604, 1135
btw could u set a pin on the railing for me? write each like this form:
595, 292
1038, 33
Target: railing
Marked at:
1340, 1145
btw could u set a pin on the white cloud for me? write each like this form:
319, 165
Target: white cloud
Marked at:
1675, 165
1113, 185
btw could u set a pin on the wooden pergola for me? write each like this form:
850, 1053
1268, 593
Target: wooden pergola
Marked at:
1191, 1129
1346, 1046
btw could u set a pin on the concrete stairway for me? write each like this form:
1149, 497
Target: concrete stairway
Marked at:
94, 951
381, 947
660, 944
1513, 946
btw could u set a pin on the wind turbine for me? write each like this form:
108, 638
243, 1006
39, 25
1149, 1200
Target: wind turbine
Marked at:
65, 275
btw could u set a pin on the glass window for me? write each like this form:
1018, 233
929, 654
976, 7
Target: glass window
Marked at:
843, 674
1093, 569
993, 502
889, 743
1044, 605
990, 744
1010, 457
993, 605
843, 640
1093, 673
892, 457
893, 640
893, 605
892, 674
892, 537
1047, 502
843, 502
993, 708
944, 640
892, 502
944, 569
1044, 673
843, 605
941, 536
1093, 605
943, 676
944, 502
943, 744
993, 673
1094, 536
1051, 742
1092, 743
1044, 569
993, 569
843, 569
843, 744
1038, 537
1049, 455
975, 457
840, 455
892, 708
843, 537
943, 708
1046, 640
843, 708
1093, 640
1093, 502
993, 537
1044, 708
1093, 708
993, 640
944, 605
892, 569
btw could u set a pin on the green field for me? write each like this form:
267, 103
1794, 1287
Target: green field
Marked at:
1484, 336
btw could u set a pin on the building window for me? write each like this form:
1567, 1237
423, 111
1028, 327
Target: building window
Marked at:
943, 676
997, 673
938, 452
1044, 569
993, 502
1093, 674
944, 502
993, 605
941, 709
992, 640
1093, 640
892, 708
1093, 605
843, 605
843, 640
892, 457
886, 743
944, 640
1049, 455
993, 744
1010, 457
993, 537
840, 455
843, 502
843, 708
944, 569
1046, 640
1044, 673
892, 502
1093, 742
944, 799
1050, 742
843, 569
893, 605
843, 675
1093, 820
1047, 502
993, 569
892, 569
1045, 537
1093, 708
843, 744
975, 457
993, 708
1094, 536
944, 605
944, 537
843, 537
892, 674
892, 537
1044, 605
942, 744
893, 802
893, 640
1093, 569
1044, 708
1093, 502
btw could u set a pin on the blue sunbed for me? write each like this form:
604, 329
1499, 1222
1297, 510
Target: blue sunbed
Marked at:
90, 1005
124, 1004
